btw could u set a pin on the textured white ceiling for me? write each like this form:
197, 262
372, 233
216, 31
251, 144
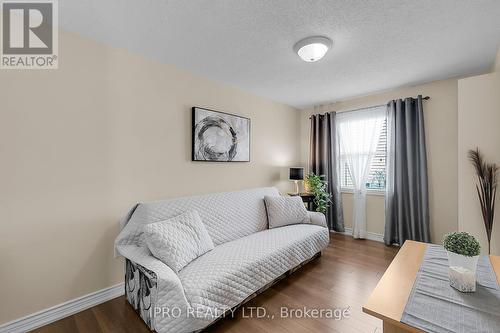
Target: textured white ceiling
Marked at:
248, 43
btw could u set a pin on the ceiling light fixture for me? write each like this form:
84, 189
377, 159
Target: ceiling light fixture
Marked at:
313, 48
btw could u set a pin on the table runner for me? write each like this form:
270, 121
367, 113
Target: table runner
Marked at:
434, 306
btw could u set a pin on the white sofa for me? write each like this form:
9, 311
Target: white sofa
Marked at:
247, 258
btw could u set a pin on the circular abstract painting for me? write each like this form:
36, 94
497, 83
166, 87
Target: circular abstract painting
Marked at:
220, 137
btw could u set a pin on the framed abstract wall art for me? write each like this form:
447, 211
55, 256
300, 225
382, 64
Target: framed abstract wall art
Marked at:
220, 137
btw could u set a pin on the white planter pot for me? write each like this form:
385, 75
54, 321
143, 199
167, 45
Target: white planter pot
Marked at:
462, 272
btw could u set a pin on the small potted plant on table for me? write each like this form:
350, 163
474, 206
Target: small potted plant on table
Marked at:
463, 253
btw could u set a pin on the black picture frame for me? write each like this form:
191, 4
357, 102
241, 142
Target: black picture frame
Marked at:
223, 115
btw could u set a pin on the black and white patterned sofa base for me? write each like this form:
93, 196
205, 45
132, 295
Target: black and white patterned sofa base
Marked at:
140, 288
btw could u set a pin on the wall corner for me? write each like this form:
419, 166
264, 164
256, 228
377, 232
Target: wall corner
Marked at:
496, 64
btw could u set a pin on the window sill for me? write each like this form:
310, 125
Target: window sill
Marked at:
368, 192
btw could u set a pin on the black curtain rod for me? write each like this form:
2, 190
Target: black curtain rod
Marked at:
426, 98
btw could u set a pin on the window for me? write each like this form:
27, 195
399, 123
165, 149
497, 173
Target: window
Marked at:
376, 180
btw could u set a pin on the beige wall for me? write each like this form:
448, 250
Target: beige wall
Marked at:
375, 207
80, 145
441, 133
478, 126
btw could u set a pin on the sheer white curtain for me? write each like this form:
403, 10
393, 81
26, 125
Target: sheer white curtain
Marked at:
358, 133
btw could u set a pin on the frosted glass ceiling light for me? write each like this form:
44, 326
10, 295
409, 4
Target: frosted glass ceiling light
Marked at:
312, 49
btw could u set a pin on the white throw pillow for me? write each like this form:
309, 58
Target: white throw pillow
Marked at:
283, 211
179, 240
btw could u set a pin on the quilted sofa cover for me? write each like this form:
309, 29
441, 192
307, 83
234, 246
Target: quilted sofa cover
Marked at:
247, 257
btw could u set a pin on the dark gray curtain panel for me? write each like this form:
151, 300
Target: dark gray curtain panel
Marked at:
407, 198
323, 160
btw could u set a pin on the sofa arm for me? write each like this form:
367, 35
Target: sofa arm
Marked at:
146, 280
318, 218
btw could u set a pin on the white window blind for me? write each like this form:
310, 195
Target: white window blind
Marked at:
376, 181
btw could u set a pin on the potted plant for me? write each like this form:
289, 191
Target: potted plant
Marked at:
486, 190
317, 186
463, 253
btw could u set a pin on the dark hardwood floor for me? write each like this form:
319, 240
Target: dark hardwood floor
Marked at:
343, 277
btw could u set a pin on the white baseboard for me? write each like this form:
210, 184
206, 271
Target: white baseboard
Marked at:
369, 235
50, 315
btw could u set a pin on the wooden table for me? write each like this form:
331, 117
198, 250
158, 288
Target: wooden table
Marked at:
388, 299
